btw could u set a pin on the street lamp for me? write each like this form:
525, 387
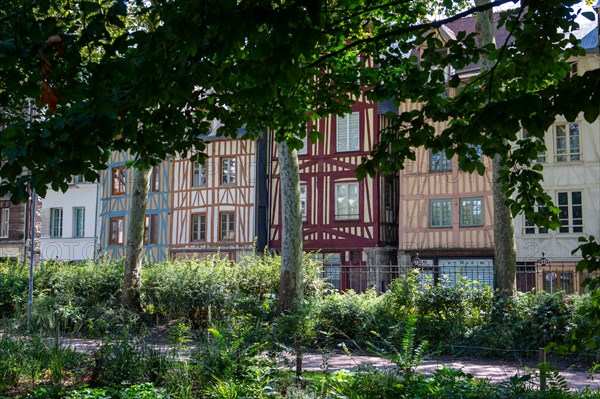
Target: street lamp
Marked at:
416, 261
550, 275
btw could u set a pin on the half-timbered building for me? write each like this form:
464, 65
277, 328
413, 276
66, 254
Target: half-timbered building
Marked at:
16, 229
351, 223
219, 205
116, 185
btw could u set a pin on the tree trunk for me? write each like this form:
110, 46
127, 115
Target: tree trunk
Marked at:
132, 278
505, 258
291, 287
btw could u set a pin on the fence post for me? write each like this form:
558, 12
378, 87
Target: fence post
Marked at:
543, 369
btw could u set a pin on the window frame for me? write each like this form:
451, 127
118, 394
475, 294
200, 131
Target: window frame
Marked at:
56, 222
4, 222
304, 149
229, 178
344, 126
304, 201
574, 224
475, 223
200, 237
230, 225
77, 233
443, 164
150, 229
199, 171
440, 201
118, 233
118, 180
568, 152
347, 216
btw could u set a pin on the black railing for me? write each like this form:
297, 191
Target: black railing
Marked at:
530, 276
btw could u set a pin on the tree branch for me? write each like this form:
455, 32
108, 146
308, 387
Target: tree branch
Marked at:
408, 29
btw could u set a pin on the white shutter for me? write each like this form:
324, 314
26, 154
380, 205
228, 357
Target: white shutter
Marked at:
342, 133
353, 133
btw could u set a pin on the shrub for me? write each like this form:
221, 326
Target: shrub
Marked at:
13, 287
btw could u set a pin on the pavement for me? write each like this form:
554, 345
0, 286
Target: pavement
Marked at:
491, 370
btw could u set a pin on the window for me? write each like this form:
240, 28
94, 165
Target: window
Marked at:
116, 230
76, 179
303, 201
541, 155
348, 132
531, 228
439, 162
4, 219
387, 195
198, 227
304, 149
227, 171
346, 201
118, 180
198, 174
227, 226
571, 212
56, 220
440, 213
567, 143
150, 229
471, 212
78, 222
155, 179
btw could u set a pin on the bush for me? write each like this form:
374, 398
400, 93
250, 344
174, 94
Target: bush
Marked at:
13, 288
70, 298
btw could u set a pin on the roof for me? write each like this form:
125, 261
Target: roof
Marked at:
590, 39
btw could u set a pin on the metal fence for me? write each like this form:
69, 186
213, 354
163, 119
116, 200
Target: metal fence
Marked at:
530, 276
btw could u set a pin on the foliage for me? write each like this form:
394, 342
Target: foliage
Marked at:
35, 360
74, 298
126, 360
588, 335
13, 288
141, 391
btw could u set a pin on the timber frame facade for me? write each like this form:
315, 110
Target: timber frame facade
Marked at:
351, 223
116, 185
219, 206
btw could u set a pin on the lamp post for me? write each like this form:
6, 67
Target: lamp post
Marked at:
550, 276
416, 261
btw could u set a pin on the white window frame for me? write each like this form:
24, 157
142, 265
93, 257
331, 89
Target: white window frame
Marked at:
347, 208
474, 217
529, 227
570, 204
228, 171
198, 174
567, 142
439, 162
348, 132
437, 216
4, 222
79, 225
541, 158
303, 201
56, 222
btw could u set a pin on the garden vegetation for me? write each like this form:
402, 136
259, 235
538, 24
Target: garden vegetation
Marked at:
225, 339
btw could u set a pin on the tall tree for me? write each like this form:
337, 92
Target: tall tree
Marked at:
271, 65
505, 249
